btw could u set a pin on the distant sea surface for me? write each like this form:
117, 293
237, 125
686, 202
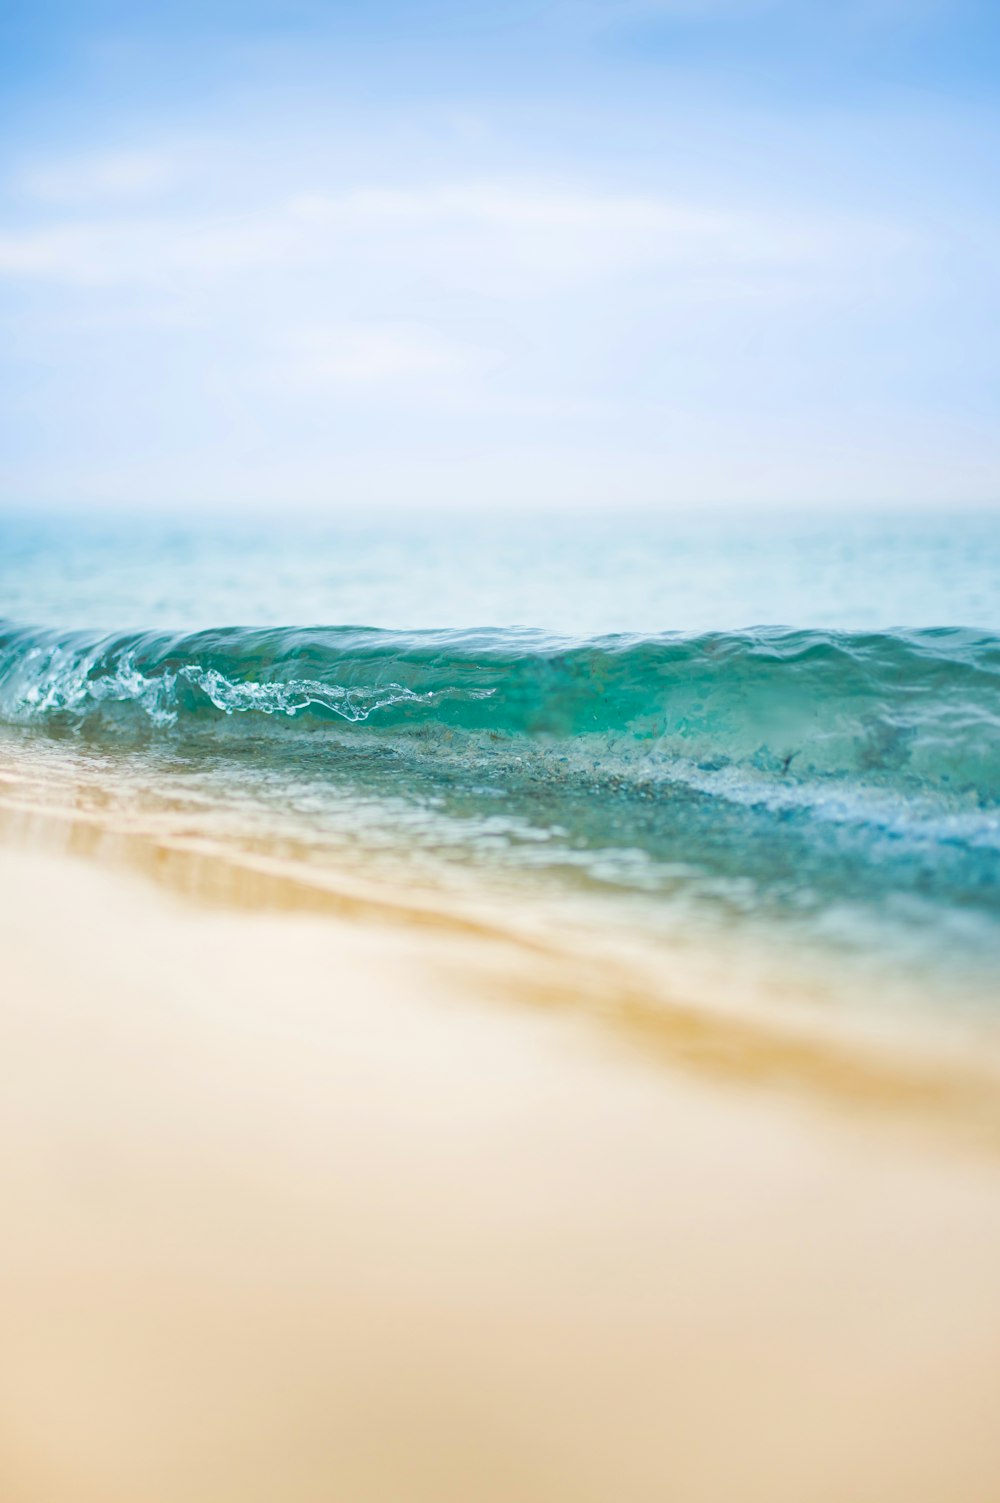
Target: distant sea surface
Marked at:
755, 737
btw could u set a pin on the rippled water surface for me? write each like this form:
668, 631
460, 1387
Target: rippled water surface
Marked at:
718, 728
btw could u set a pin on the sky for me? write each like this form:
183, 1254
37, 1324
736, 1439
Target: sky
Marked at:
589, 254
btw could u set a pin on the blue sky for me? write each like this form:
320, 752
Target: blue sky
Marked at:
588, 253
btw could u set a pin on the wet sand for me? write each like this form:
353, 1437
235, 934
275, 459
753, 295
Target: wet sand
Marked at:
307, 1204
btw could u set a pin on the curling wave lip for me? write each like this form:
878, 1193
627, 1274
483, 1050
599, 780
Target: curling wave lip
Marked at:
914, 711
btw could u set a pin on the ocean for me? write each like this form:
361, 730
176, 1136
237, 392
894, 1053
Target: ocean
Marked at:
769, 745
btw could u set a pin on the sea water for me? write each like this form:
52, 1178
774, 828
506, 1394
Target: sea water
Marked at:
706, 728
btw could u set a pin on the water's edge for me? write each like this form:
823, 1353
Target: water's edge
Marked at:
673, 1012
841, 790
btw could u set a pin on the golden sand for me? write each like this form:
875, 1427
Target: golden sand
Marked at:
304, 1203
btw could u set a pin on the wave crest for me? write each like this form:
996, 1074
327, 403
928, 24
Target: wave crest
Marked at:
903, 711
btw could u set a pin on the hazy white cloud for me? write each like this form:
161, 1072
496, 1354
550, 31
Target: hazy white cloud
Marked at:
110, 175
372, 354
477, 233
416, 253
726, 458
111, 251
242, 333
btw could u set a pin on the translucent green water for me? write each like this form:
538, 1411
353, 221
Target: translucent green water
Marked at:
835, 788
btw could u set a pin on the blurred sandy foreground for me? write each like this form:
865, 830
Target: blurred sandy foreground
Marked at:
309, 1210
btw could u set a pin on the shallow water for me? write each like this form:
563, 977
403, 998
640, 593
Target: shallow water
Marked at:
828, 785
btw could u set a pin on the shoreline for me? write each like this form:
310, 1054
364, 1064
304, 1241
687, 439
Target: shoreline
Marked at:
931, 1074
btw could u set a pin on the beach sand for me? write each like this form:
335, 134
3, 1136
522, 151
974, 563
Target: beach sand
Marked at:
308, 1205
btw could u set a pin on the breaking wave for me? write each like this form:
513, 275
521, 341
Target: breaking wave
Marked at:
908, 712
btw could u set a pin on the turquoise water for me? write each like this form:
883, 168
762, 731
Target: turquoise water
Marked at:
577, 576
716, 728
